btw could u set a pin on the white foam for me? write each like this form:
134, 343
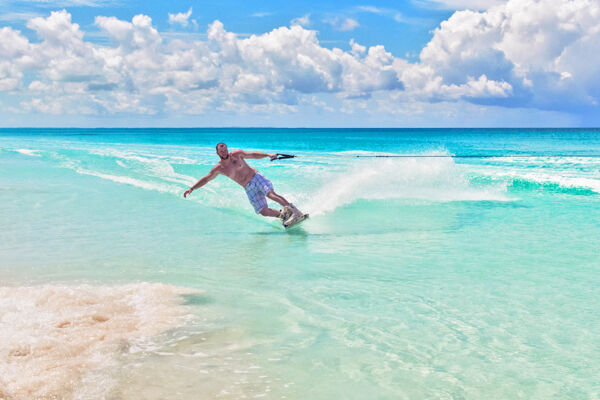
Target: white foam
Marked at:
156, 167
363, 153
53, 337
143, 155
149, 172
434, 179
154, 176
546, 160
132, 181
545, 178
29, 152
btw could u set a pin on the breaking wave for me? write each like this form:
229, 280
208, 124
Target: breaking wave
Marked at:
569, 174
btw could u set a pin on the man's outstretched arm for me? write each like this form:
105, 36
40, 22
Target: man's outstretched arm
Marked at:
203, 181
246, 154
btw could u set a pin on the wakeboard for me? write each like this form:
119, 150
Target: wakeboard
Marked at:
296, 221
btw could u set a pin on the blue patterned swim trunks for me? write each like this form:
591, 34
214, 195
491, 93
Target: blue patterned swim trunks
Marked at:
257, 190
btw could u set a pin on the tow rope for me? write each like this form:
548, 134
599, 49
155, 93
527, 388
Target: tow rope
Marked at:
281, 156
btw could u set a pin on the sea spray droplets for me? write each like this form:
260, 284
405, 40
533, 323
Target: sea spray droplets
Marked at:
435, 179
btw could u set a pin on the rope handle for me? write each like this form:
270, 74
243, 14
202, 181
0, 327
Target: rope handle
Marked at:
283, 156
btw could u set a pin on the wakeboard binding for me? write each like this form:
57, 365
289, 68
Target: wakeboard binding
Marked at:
291, 216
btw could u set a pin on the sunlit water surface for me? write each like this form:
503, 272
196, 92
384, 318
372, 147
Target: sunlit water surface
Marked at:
413, 278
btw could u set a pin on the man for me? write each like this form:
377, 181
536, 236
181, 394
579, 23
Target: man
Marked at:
257, 186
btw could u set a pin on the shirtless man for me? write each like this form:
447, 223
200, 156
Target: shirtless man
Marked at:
257, 186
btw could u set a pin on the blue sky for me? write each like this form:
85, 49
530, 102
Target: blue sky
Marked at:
408, 33
329, 63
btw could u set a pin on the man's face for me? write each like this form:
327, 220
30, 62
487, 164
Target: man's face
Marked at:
222, 150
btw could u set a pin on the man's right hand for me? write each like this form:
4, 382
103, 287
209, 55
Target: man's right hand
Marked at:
187, 192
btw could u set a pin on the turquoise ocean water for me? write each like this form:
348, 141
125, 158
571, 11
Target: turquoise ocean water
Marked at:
414, 278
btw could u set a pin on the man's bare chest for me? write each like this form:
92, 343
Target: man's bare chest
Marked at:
234, 166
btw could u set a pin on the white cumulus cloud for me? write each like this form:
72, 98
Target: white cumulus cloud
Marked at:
343, 24
524, 53
464, 4
301, 21
525, 43
180, 18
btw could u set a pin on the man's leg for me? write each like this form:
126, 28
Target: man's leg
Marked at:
269, 212
289, 211
275, 197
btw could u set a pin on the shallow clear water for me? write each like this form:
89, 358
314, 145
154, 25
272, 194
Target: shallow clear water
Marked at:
413, 278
